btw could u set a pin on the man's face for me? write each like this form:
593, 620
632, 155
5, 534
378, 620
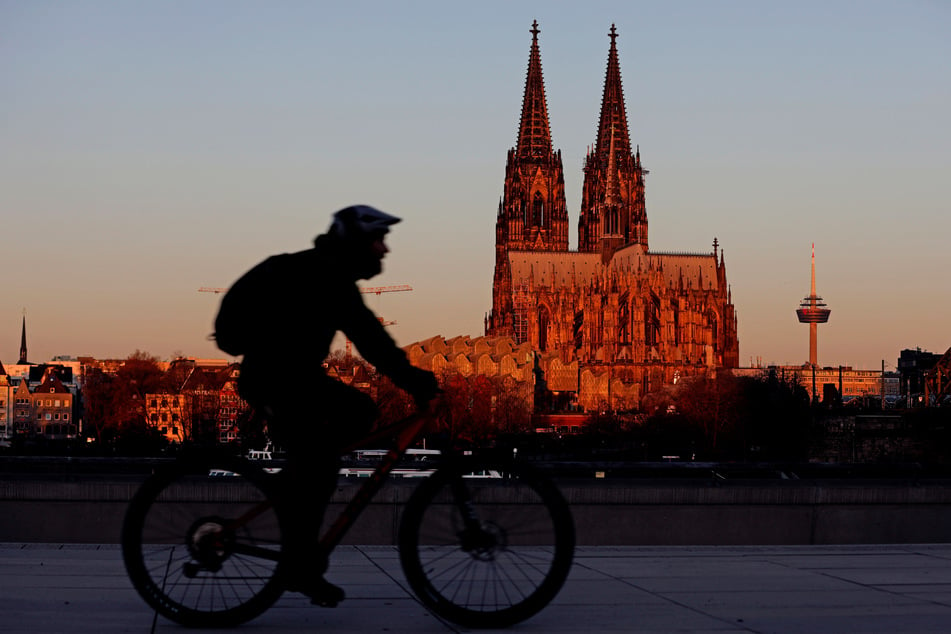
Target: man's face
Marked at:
370, 258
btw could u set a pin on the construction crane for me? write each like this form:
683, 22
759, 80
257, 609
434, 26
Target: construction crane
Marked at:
350, 343
375, 290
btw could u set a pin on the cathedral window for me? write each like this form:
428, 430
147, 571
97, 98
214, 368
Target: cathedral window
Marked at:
652, 321
578, 329
624, 321
538, 211
676, 323
714, 330
544, 321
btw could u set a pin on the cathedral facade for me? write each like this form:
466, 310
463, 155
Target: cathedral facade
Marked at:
613, 320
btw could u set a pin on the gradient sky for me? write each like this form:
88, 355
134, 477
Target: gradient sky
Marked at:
151, 148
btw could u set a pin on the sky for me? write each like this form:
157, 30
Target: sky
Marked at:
148, 149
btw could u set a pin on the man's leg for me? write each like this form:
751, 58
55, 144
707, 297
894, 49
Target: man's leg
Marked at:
310, 479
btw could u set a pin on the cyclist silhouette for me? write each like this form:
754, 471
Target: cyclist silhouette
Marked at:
310, 296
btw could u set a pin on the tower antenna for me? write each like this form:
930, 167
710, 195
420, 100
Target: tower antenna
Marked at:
812, 310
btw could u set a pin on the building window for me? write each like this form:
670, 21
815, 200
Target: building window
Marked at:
544, 320
538, 211
652, 321
624, 321
578, 329
676, 323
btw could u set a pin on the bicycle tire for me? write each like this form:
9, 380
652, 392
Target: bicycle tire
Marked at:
504, 580
182, 556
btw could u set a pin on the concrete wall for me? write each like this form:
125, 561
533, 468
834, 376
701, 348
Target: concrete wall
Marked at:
90, 510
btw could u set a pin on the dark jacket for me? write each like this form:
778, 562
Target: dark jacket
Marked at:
313, 295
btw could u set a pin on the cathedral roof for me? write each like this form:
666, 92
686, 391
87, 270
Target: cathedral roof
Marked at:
549, 268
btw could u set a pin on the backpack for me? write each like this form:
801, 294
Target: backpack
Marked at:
243, 319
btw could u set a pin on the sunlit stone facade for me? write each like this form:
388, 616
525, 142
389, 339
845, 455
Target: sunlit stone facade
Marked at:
612, 320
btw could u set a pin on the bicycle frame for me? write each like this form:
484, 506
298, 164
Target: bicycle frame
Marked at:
407, 431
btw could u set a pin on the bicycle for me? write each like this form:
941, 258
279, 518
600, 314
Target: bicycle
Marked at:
206, 551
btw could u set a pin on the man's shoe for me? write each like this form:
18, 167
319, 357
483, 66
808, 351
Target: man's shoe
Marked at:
320, 591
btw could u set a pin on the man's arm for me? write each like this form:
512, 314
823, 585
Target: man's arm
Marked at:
366, 332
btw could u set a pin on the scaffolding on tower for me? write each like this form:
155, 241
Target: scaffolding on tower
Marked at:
520, 307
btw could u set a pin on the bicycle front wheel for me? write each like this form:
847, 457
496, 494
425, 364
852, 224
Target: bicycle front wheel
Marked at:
201, 543
486, 551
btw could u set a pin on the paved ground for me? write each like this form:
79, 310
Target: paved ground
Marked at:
49, 588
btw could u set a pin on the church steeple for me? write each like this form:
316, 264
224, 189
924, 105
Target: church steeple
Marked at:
610, 165
533, 214
612, 127
534, 131
23, 360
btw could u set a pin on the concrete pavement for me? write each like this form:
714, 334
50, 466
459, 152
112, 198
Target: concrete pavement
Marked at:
75, 588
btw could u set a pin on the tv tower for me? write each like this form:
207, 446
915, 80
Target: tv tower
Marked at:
813, 311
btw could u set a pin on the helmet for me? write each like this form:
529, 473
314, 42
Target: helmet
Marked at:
361, 221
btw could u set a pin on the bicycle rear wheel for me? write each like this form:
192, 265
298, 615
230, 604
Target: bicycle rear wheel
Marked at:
506, 563
201, 542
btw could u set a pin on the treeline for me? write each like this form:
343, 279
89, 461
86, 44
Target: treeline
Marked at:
716, 418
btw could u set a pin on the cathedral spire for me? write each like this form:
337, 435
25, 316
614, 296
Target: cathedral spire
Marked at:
534, 132
613, 176
23, 360
613, 123
612, 193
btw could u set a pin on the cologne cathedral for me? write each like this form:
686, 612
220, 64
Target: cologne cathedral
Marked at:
613, 320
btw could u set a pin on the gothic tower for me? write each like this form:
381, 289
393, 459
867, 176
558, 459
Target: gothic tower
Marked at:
533, 214
613, 210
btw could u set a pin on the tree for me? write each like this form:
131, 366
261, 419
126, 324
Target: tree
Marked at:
712, 404
513, 409
98, 405
777, 421
138, 376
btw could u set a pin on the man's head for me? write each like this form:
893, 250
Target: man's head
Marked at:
361, 230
